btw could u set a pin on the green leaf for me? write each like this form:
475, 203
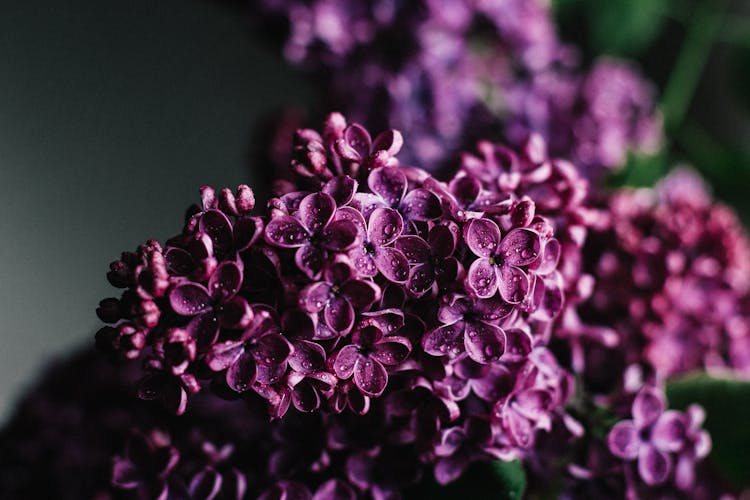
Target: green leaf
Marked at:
625, 27
727, 405
640, 170
496, 480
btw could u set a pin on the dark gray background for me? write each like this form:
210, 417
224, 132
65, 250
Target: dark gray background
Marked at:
112, 114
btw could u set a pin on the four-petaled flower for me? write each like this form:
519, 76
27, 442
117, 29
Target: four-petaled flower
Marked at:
432, 260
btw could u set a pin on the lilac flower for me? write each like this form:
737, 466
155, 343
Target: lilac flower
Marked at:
433, 258
389, 189
367, 357
500, 260
146, 466
313, 231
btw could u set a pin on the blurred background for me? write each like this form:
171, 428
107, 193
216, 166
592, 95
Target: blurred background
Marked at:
113, 114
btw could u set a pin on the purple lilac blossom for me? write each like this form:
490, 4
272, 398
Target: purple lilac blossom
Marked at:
372, 309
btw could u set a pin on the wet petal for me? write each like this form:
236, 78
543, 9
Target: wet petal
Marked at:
484, 343
370, 376
493, 309
190, 299
247, 231
236, 313
670, 431
340, 235
341, 189
305, 397
495, 385
513, 284
389, 141
519, 429
420, 280
314, 297
363, 262
622, 440
391, 350
384, 226
482, 278
466, 190
654, 466
550, 257
339, 315
204, 328
518, 345
179, 262
389, 183
365, 203
442, 240
445, 340
520, 247
316, 211
647, 406
307, 356
310, 259
420, 204
285, 232
392, 264
225, 282
345, 360
482, 236
272, 349
216, 225
533, 404
241, 374
416, 250
358, 138
222, 355
361, 293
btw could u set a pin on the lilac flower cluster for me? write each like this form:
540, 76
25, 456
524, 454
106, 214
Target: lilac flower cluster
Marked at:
673, 277
449, 73
376, 290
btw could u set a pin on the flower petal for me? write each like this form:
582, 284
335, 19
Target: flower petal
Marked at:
216, 225
370, 376
206, 484
389, 183
647, 406
654, 466
340, 235
361, 294
344, 362
316, 211
247, 231
518, 345
236, 313
225, 282
286, 232
272, 349
389, 141
416, 250
314, 297
550, 257
358, 138
465, 189
204, 328
384, 226
392, 264
445, 340
484, 343
482, 236
520, 247
307, 357
391, 351
310, 259
442, 240
482, 278
623, 441
420, 204
190, 299
421, 278
513, 284
305, 397
341, 189
339, 315
241, 374
670, 431
335, 489
363, 262
222, 355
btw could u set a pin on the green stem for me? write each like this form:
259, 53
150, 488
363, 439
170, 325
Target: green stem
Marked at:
678, 94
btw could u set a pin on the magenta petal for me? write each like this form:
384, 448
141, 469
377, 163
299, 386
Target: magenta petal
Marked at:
125, 474
340, 235
450, 468
415, 249
358, 138
236, 313
420, 280
647, 406
445, 340
513, 284
189, 299
363, 262
307, 356
339, 315
389, 183
670, 431
345, 360
316, 211
223, 355
247, 231
442, 241
361, 294
389, 141
310, 259
341, 189
520, 247
482, 278
305, 397
370, 376
314, 297
496, 384
272, 349
465, 189
216, 225
391, 350
285, 232
225, 281
484, 343
533, 404
179, 262
520, 429
335, 489
206, 484
241, 374
420, 204
654, 466
482, 236
550, 257
384, 226
623, 441
204, 329
518, 345
392, 264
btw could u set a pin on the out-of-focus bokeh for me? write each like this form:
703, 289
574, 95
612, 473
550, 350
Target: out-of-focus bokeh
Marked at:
112, 114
